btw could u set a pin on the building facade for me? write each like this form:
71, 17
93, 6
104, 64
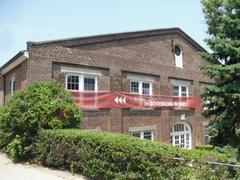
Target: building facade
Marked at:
153, 62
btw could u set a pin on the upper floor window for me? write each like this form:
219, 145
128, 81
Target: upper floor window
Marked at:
179, 90
12, 85
81, 82
72, 82
141, 87
89, 83
178, 56
180, 87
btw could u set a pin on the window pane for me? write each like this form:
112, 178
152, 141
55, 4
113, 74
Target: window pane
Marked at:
177, 51
136, 134
134, 87
145, 88
178, 127
180, 136
14, 85
176, 90
89, 84
147, 135
184, 91
73, 82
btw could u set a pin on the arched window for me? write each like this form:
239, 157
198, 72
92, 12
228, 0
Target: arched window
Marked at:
181, 135
178, 56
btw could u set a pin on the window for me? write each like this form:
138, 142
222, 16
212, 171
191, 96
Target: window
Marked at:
73, 82
89, 83
181, 135
12, 85
141, 87
178, 56
145, 88
180, 91
143, 134
81, 82
135, 87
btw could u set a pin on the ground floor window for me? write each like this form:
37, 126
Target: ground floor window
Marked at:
143, 134
181, 135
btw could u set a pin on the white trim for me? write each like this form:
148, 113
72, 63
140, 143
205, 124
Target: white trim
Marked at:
12, 80
143, 128
68, 69
144, 78
13, 64
180, 82
178, 59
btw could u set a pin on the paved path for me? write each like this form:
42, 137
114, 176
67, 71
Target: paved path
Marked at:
11, 171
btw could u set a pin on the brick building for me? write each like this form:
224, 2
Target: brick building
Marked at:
152, 62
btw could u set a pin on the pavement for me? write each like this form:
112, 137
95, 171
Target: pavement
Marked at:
19, 171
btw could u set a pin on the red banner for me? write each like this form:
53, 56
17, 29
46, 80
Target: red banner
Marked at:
102, 99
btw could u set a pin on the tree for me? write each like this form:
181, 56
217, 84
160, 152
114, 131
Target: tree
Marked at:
43, 105
223, 99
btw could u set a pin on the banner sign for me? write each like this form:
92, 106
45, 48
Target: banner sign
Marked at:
102, 99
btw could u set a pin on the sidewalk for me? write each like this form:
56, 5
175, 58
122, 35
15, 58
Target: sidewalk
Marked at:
11, 171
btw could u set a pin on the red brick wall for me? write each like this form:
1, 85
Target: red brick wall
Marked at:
20, 74
150, 56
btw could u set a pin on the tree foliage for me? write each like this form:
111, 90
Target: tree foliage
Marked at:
223, 99
44, 105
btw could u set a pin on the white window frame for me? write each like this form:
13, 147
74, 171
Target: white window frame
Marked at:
81, 80
12, 80
180, 90
180, 84
173, 135
143, 129
178, 59
142, 134
140, 87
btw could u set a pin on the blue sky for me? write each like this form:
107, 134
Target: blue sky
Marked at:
36, 20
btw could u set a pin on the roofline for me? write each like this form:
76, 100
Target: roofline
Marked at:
119, 36
13, 59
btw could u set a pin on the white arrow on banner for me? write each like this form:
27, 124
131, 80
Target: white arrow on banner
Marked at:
121, 100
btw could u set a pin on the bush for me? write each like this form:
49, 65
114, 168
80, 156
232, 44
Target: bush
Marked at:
103, 155
205, 147
41, 105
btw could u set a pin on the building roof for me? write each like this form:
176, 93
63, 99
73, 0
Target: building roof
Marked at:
14, 61
104, 38
119, 36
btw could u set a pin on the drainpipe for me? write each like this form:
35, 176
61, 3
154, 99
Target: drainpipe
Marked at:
4, 88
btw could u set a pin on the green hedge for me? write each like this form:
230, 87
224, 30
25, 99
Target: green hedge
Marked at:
103, 155
41, 105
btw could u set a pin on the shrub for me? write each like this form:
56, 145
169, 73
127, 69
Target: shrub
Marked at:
103, 155
41, 105
205, 147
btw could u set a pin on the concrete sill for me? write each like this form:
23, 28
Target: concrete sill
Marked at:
141, 109
90, 109
182, 109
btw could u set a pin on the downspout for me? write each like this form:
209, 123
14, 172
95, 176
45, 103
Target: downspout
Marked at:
4, 87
